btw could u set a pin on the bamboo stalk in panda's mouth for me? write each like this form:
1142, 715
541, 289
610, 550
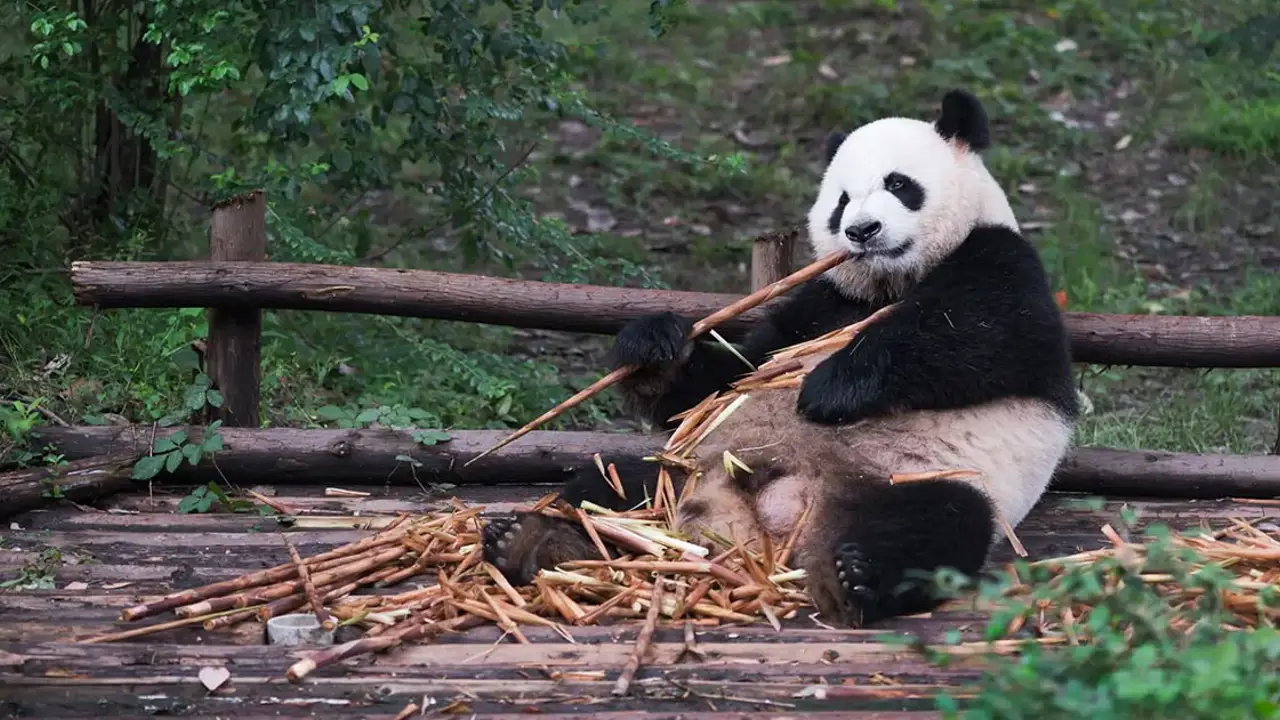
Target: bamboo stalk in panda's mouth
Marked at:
715, 319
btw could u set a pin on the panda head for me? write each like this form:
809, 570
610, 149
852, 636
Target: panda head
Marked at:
902, 194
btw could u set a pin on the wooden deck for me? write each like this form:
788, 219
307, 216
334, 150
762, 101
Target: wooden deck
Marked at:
130, 549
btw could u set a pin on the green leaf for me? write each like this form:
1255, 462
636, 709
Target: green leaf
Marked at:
198, 500
164, 444
213, 397
432, 437
194, 398
368, 416
359, 81
505, 406
342, 160
192, 453
173, 460
330, 412
212, 442
409, 460
148, 467
178, 437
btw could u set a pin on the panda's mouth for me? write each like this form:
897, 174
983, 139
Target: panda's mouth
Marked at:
890, 253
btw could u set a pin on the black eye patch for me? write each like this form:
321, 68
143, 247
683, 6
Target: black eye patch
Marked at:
833, 224
908, 191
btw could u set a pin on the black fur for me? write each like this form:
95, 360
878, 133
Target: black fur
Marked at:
837, 215
897, 537
832, 145
519, 546
662, 388
906, 189
964, 118
981, 326
638, 477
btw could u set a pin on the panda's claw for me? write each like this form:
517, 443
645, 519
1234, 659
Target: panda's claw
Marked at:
496, 538
857, 580
519, 547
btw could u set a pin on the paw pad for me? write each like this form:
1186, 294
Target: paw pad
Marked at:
856, 576
497, 538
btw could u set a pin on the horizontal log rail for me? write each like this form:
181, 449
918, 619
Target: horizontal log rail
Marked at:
316, 457
1149, 340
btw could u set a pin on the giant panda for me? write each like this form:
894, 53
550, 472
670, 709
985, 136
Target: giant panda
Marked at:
970, 370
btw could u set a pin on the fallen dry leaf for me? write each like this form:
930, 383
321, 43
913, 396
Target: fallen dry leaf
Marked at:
214, 677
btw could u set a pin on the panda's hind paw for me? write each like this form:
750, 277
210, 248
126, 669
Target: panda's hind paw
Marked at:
519, 547
856, 576
498, 539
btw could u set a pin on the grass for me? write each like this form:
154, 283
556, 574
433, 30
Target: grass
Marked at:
1144, 167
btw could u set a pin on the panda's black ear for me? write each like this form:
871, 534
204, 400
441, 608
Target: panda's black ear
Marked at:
833, 144
964, 118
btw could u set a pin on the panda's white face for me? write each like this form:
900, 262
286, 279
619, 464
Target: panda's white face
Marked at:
901, 198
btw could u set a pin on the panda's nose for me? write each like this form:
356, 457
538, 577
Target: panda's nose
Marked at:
863, 232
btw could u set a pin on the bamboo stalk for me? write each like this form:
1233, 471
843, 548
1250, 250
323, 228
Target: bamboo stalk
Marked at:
263, 577
256, 596
729, 312
153, 629
308, 587
416, 628
642, 641
407, 712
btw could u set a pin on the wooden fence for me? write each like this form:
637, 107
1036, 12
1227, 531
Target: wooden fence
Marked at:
237, 284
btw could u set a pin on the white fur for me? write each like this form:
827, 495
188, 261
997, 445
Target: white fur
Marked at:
959, 192
1014, 445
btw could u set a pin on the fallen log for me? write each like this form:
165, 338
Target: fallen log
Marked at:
315, 457
307, 457
1150, 340
1106, 471
81, 480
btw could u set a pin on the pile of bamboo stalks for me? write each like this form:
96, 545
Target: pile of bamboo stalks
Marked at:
1245, 551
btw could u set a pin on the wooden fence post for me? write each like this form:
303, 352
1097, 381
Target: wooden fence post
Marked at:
1275, 450
771, 257
237, 232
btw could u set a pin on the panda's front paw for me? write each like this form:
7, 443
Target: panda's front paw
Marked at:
654, 341
827, 397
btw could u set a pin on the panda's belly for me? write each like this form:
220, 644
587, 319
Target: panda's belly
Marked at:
1014, 445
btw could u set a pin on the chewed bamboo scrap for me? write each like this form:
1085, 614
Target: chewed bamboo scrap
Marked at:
1250, 554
